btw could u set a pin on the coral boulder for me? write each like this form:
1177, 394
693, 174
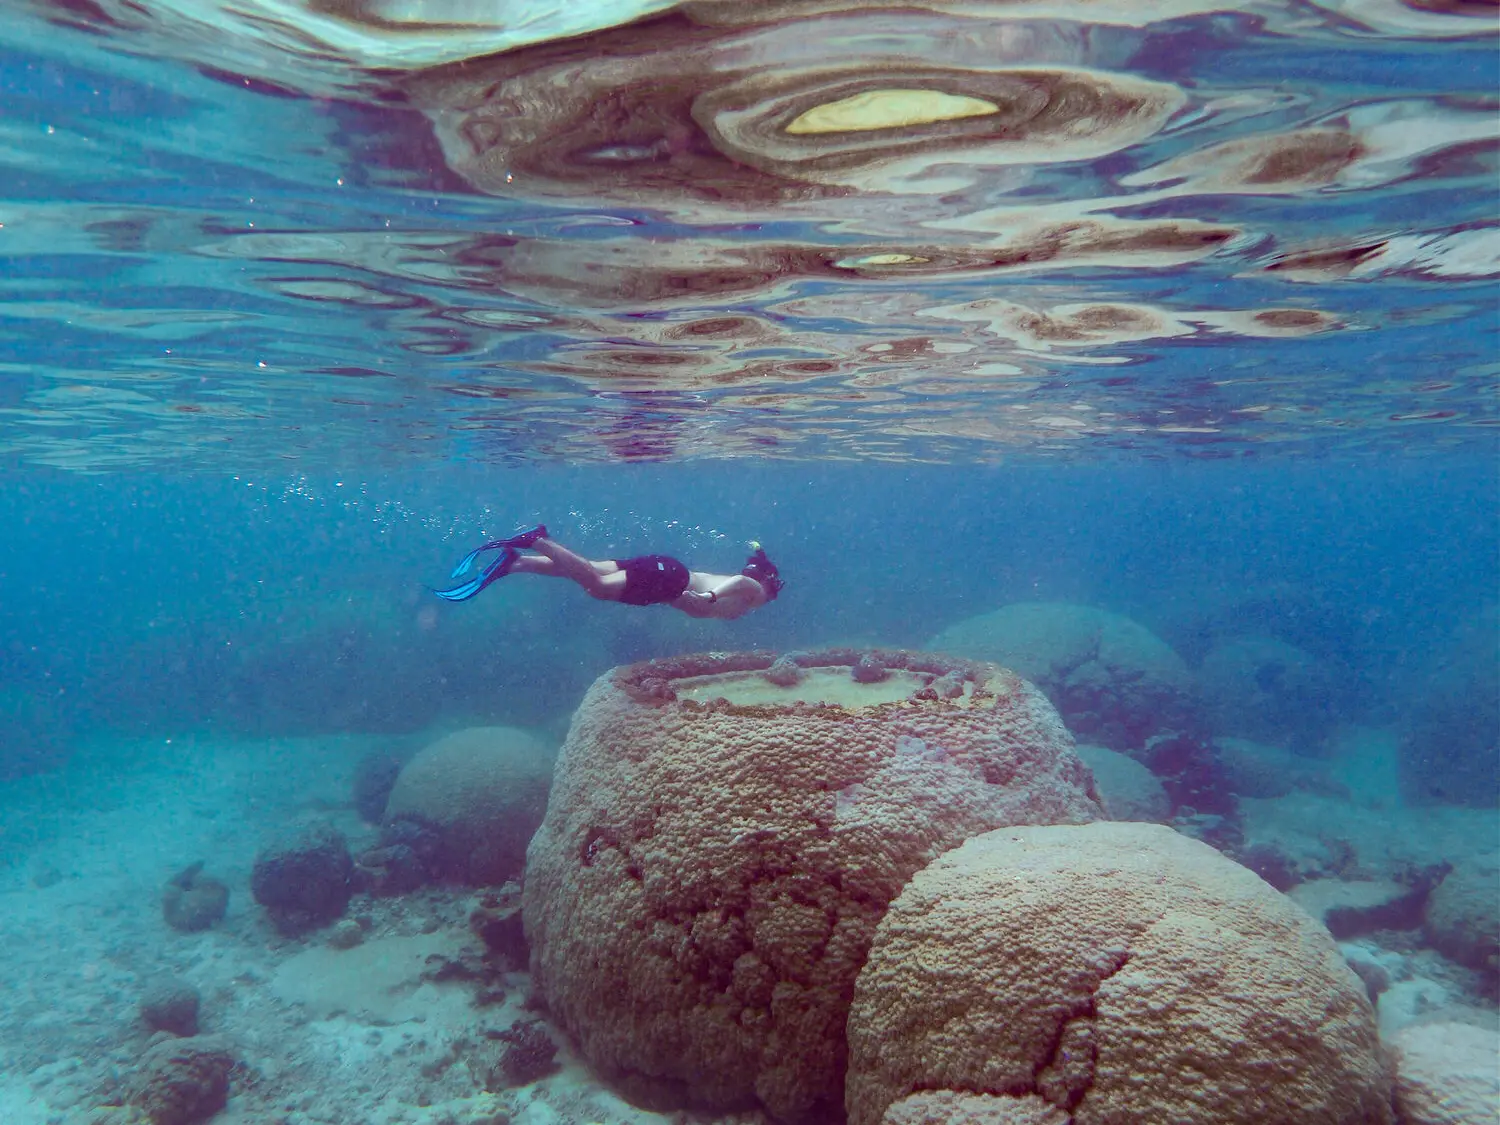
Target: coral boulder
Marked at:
1128, 789
945, 1107
1447, 1074
720, 844
303, 881
1462, 919
480, 793
1117, 972
1264, 689
1114, 681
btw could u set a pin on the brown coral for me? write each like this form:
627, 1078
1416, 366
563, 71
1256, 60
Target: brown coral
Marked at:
182, 1081
1120, 972
946, 1107
718, 849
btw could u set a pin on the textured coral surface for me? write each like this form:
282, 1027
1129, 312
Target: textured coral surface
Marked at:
705, 884
947, 1107
1121, 972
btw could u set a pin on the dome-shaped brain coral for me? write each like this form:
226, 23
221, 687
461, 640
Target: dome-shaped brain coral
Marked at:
482, 790
1115, 682
1119, 972
719, 845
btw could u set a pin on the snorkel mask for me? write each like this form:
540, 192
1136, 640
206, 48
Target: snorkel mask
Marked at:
759, 567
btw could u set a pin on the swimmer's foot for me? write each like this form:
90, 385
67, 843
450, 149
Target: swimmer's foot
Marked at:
492, 571
525, 540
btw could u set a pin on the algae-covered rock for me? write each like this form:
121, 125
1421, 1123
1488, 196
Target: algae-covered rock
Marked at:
1350, 908
718, 848
1462, 919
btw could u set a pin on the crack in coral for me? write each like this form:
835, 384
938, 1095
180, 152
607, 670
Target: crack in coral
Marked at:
1066, 1072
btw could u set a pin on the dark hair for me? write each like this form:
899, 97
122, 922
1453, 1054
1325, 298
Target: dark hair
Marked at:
764, 571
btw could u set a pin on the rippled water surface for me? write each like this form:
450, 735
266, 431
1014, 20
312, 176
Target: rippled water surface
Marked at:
361, 231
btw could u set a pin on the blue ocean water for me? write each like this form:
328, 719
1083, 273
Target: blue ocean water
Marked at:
286, 604
1190, 319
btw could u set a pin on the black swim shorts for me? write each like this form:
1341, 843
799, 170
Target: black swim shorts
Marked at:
651, 579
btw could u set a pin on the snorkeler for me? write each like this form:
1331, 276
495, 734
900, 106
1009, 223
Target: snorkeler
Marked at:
643, 580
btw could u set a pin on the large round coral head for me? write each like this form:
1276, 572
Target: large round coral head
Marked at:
726, 829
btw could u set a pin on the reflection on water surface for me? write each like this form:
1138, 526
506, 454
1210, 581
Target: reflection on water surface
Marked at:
636, 231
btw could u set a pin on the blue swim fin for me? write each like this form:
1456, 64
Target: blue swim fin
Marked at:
497, 569
522, 539
468, 560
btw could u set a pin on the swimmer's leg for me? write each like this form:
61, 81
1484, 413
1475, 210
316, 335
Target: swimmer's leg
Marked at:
521, 540
602, 579
525, 540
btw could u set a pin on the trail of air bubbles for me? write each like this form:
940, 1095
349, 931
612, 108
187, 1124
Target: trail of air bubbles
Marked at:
600, 529
387, 514
630, 528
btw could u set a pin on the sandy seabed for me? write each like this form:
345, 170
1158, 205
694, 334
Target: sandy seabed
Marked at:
352, 1037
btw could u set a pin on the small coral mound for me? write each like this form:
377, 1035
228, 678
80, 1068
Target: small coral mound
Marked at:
482, 791
193, 901
1114, 681
1447, 1074
1128, 789
304, 882
1118, 972
182, 1081
719, 847
1462, 919
170, 1005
